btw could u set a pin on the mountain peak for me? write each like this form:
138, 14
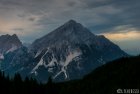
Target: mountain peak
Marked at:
7, 35
8, 42
67, 53
71, 24
14, 35
72, 21
71, 31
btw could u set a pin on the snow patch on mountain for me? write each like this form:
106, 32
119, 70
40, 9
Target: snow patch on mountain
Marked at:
64, 65
1, 56
50, 70
51, 63
41, 62
14, 47
38, 53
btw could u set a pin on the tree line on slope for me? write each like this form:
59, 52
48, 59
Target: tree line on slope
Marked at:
119, 74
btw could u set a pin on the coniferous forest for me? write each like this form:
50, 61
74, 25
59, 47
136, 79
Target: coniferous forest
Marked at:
107, 79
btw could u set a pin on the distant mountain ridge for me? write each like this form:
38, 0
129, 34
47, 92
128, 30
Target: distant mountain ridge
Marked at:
9, 43
69, 52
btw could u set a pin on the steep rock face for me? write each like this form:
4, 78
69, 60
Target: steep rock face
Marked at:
70, 52
18, 61
8, 44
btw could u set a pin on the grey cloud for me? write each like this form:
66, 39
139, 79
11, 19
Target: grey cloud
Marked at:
32, 19
99, 15
71, 4
96, 3
18, 29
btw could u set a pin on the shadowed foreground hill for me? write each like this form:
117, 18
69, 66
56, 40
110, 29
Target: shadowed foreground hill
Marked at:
119, 74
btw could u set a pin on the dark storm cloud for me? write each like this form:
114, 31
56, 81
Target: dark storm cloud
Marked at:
99, 15
31, 19
96, 3
129, 15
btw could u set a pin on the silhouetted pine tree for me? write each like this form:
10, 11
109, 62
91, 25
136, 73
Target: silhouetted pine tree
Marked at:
51, 87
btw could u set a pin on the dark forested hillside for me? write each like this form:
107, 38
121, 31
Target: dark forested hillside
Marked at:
119, 74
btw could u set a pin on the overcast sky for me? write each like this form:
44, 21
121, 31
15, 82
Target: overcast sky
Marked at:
118, 20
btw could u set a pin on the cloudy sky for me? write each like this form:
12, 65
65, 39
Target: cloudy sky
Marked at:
118, 20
